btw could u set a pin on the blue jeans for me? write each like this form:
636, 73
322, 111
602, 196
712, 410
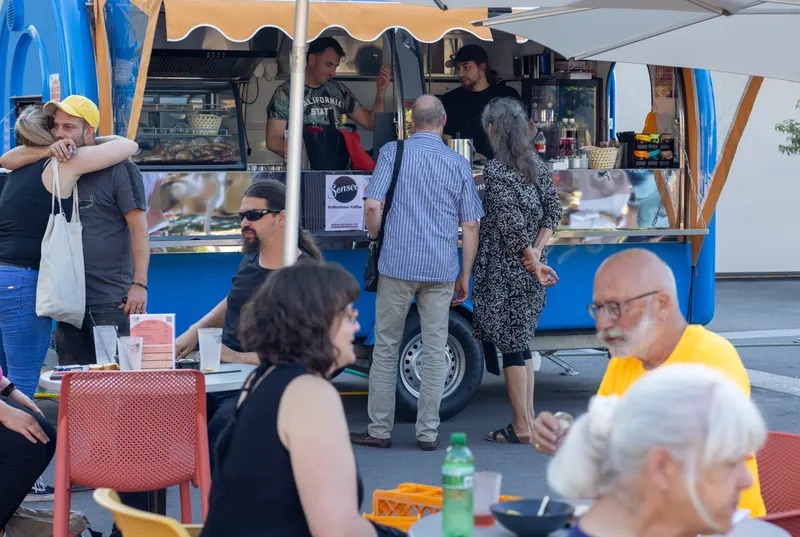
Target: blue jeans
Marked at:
24, 336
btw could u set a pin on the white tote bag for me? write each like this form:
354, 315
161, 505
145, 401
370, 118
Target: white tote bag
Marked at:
61, 289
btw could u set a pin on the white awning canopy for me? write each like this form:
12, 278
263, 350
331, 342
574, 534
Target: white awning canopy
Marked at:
735, 36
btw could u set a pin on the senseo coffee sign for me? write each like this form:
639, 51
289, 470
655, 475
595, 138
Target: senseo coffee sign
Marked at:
344, 203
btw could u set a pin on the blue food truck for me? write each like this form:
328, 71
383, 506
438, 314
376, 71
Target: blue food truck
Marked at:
190, 80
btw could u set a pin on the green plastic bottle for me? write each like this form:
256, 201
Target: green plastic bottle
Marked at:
458, 472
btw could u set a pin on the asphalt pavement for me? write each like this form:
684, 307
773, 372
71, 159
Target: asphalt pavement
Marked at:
761, 317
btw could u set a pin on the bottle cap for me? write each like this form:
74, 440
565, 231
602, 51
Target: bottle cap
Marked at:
458, 439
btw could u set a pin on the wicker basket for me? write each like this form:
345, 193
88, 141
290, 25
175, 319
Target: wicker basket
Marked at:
204, 124
603, 158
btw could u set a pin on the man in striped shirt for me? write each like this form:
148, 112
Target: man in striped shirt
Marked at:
435, 193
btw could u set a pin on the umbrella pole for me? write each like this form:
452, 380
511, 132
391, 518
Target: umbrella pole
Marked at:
293, 164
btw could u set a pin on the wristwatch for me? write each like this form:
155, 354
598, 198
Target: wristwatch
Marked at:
8, 389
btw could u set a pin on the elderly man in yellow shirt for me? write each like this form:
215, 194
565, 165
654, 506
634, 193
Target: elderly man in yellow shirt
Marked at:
635, 306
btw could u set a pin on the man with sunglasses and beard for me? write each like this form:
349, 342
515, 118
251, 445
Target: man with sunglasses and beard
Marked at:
638, 317
263, 219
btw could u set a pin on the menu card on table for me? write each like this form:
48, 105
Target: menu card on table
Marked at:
158, 339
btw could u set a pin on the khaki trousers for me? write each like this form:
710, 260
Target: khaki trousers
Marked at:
392, 304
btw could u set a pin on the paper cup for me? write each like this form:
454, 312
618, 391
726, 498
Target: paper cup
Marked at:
130, 353
105, 344
210, 348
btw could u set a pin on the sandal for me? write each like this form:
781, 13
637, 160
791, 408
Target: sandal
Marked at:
507, 435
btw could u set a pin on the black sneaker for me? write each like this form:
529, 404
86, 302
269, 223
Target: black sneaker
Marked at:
40, 492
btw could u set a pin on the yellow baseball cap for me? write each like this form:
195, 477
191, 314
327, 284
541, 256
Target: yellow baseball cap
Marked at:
77, 106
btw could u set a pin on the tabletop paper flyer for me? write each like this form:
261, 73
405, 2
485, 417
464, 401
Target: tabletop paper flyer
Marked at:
158, 339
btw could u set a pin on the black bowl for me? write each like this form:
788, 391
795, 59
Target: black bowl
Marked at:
519, 517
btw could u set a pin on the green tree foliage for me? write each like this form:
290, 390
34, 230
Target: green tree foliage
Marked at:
791, 129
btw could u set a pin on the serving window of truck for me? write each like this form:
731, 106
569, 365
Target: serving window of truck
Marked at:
191, 81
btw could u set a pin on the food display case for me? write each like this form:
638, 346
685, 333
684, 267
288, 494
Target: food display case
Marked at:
186, 122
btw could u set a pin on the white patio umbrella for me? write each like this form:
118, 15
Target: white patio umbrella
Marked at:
735, 36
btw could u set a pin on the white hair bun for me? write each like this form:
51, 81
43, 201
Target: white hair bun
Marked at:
601, 415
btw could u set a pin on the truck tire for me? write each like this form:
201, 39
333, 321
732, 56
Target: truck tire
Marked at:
463, 379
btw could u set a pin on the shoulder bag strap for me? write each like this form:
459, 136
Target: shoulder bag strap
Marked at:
76, 214
57, 194
55, 188
398, 159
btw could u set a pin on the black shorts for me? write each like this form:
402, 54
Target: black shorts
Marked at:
75, 346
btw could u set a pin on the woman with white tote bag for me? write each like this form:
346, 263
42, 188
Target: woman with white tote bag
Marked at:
27, 201
26, 208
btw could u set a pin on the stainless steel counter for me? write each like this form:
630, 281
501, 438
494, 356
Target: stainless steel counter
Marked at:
196, 211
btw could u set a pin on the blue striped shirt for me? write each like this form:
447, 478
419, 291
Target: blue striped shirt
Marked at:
435, 193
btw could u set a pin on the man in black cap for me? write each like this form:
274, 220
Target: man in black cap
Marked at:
465, 105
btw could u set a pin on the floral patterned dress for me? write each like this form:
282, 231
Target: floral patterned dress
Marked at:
507, 298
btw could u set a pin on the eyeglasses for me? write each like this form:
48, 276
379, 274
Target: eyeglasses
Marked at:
255, 215
614, 309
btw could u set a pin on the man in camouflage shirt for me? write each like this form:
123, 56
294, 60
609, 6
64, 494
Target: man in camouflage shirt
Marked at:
322, 94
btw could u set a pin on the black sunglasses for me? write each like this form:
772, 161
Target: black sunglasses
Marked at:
254, 215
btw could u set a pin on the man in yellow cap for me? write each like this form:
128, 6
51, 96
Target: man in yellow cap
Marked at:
76, 106
116, 246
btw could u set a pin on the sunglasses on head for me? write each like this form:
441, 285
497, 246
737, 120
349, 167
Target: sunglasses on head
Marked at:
253, 215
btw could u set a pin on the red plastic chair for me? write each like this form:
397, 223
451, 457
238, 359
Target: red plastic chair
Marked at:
132, 431
779, 473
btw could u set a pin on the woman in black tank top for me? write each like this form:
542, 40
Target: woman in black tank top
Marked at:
25, 206
285, 466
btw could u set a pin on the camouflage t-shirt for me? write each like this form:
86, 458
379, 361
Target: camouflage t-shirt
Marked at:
317, 102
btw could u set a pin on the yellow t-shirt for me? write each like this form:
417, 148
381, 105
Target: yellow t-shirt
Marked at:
697, 346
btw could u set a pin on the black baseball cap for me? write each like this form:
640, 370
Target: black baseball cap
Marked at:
469, 53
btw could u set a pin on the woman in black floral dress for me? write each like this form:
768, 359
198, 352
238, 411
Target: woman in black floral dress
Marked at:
511, 277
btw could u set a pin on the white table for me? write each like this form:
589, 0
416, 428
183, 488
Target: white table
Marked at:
230, 377
431, 526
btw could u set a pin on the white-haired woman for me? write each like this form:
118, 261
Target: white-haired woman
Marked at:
668, 458
522, 210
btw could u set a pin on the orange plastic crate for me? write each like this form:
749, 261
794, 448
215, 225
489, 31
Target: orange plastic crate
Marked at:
412, 500
402, 523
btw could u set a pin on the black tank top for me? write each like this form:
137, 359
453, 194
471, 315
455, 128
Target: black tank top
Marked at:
253, 492
24, 210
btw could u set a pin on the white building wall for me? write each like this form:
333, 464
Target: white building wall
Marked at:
758, 212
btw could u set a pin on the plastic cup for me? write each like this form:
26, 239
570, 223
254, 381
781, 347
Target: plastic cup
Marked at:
130, 353
486, 491
105, 344
210, 348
